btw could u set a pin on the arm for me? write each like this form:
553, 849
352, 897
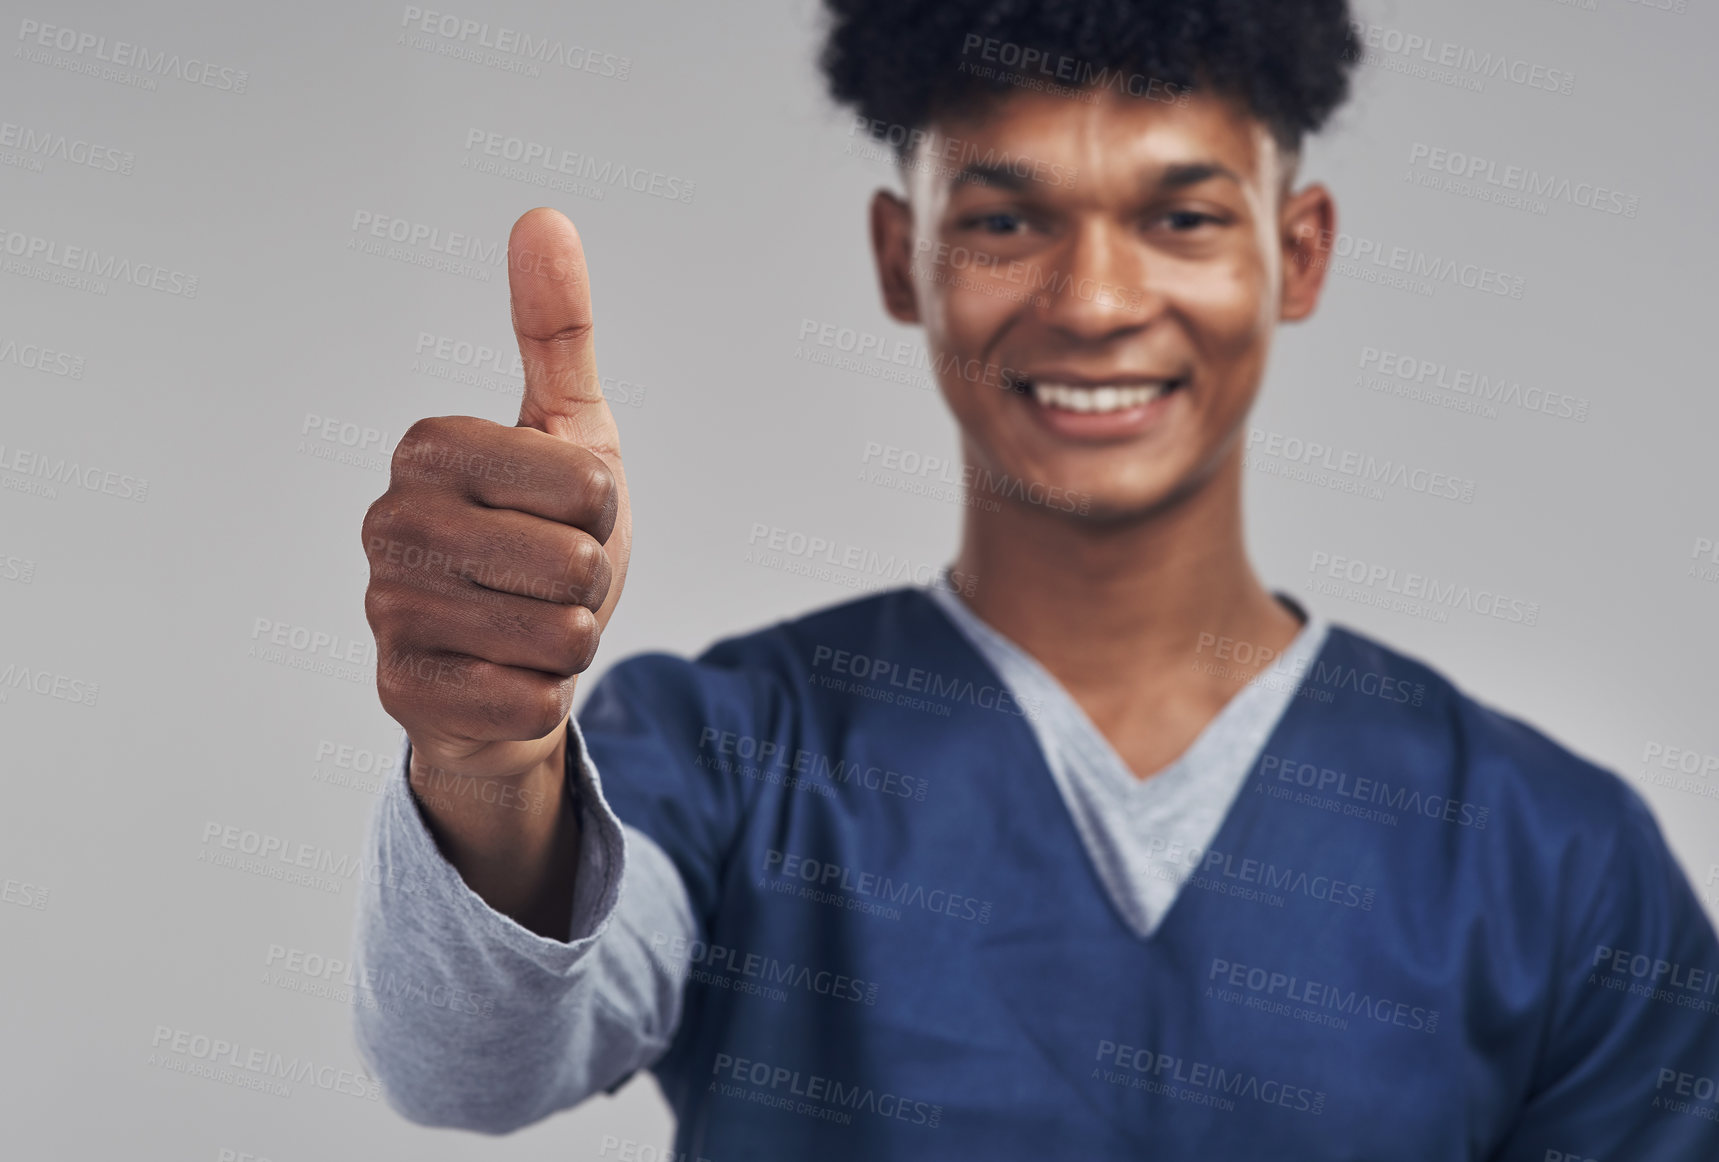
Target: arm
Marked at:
516, 844
517, 980
473, 1020
1635, 1020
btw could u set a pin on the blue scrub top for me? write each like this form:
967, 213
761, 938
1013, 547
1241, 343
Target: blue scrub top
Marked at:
1423, 931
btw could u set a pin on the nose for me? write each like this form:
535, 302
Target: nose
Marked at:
1096, 287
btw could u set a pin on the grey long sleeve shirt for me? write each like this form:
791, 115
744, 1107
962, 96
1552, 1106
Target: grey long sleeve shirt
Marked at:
481, 1024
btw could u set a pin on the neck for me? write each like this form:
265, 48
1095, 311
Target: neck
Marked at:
1124, 606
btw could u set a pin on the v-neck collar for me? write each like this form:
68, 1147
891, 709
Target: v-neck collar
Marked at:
1138, 833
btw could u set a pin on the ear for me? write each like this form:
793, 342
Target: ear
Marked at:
892, 247
1309, 230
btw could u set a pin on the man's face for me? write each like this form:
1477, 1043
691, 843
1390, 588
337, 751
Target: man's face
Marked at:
1125, 261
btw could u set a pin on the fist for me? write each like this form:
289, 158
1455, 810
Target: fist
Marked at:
498, 553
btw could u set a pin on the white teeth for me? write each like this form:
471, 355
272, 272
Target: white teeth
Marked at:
1106, 398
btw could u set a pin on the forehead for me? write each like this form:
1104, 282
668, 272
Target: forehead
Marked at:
1100, 137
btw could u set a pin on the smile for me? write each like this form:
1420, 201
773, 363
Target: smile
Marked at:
1099, 397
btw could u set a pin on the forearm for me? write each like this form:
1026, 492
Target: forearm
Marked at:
472, 1020
514, 840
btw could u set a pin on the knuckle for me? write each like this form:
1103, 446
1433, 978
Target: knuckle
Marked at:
377, 520
574, 335
580, 639
588, 570
394, 704
547, 708
599, 485
416, 540
383, 608
401, 697
426, 446
564, 639
519, 710
423, 434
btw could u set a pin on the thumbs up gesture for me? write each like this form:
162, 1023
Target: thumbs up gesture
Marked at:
497, 554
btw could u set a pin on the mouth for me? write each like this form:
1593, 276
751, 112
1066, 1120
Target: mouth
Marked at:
1099, 398
1084, 408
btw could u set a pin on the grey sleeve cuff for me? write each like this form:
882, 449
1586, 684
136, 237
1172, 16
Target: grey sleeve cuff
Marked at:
472, 1020
406, 843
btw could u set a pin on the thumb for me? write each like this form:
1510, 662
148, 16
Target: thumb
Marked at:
550, 293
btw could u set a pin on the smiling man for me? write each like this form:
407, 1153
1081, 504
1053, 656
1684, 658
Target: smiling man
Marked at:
1095, 848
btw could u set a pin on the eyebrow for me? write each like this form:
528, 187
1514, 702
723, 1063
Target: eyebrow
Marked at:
1178, 176
1000, 177
1192, 173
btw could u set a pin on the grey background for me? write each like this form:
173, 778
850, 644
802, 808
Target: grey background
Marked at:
702, 304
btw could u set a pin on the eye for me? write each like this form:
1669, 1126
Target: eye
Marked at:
1182, 221
997, 222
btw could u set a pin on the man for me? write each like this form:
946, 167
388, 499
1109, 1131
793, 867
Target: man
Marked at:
1093, 849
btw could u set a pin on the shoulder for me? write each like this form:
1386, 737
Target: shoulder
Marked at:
1499, 759
770, 661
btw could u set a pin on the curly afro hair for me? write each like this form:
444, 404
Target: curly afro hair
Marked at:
900, 63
